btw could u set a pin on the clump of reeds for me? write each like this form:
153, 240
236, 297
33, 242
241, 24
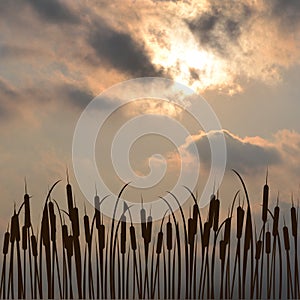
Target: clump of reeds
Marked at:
183, 258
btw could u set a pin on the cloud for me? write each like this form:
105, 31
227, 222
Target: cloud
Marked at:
54, 11
221, 26
248, 155
119, 50
78, 97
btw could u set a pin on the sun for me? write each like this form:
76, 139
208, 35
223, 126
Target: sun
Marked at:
187, 62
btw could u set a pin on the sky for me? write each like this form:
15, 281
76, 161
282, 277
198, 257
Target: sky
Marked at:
242, 57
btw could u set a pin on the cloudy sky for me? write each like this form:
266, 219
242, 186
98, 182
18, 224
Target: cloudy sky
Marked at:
241, 56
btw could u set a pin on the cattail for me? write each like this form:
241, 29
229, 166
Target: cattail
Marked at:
258, 249
69, 197
265, 203
195, 214
191, 230
294, 221
101, 235
132, 238
69, 245
24, 237
64, 229
268, 242
248, 230
206, 234
148, 232
169, 235
240, 221
34, 245
286, 238
75, 222
51, 210
227, 230
143, 221
45, 228
52, 221
211, 210
123, 234
87, 229
222, 250
15, 228
216, 214
5, 243
97, 211
276, 220
159, 242
27, 221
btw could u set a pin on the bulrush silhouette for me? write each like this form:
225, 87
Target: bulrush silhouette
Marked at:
185, 255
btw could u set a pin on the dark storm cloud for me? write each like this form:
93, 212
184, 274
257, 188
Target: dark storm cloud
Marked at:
241, 155
120, 51
53, 11
221, 26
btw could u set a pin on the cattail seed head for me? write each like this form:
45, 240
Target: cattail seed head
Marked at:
87, 232
15, 228
195, 214
169, 236
240, 221
211, 210
123, 234
222, 250
265, 203
52, 221
294, 221
97, 211
286, 238
101, 236
5, 243
159, 242
69, 245
190, 231
45, 228
216, 214
248, 230
227, 230
133, 238
148, 233
258, 249
75, 222
69, 197
27, 221
268, 242
276, 220
24, 237
206, 234
64, 229
143, 221
34, 245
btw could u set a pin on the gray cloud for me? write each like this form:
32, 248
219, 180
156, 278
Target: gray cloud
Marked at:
120, 51
242, 155
221, 26
54, 11
76, 96
288, 11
